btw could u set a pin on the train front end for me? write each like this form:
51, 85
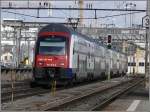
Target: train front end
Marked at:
52, 57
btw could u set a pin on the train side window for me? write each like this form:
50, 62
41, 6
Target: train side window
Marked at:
131, 64
88, 55
141, 63
73, 51
78, 62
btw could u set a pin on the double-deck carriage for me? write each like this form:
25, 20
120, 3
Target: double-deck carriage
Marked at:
66, 56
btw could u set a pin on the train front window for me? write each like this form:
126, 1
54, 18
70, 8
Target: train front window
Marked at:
52, 45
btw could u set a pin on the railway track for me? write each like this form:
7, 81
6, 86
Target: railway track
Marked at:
18, 90
15, 83
96, 100
21, 93
22, 89
116, 94
91, 96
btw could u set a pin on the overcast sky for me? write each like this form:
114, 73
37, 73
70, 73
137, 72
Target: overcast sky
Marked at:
119, 21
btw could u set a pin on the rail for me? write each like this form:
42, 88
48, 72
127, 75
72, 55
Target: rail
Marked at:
110, 93
71, 98
100, 106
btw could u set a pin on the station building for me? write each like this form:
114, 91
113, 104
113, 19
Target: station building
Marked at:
136, 62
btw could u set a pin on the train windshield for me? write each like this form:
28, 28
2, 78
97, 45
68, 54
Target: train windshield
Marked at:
52, 45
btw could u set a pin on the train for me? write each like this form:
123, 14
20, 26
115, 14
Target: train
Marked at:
65, 55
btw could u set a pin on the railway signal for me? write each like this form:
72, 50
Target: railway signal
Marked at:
109, 42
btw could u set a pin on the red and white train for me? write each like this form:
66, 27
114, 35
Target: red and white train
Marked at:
66, 55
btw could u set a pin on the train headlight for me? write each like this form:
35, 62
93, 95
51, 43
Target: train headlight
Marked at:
40, 63
62, 64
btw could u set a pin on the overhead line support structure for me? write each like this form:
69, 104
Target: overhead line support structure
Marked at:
93, 9
80, 2
74, 0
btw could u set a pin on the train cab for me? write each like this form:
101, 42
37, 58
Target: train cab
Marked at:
52, 56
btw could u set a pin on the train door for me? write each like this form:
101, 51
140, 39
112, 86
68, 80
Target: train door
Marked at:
75, 57
102, 60
88, 62
118, 62
108, 61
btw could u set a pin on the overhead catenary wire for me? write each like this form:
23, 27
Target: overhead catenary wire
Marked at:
120, 14
74, 0
65, 17
30, 15
101, 17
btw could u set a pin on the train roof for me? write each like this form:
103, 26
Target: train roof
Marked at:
56, 27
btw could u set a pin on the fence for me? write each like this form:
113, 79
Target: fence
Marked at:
16, 74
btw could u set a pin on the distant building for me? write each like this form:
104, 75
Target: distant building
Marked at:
136, 62
7, 59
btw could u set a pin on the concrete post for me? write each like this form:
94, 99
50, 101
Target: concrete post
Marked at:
28, 51
14, 48
146, 57
0, 44
19, 42
18, 46
148, 36
0, 33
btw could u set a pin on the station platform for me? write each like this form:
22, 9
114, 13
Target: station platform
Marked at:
136, 100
